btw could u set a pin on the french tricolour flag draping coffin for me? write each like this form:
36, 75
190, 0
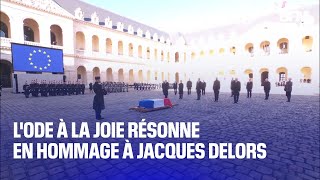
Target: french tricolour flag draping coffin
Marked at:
155, 103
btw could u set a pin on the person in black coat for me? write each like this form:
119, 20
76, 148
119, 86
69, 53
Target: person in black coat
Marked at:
288, 89
165, 88
249, 88
198, 88
90, 87
266, 87
175, 87
232, 87
180, 90
189, 86
98, 100
236, 90
203, 88
216, 89
26, 89
83, 88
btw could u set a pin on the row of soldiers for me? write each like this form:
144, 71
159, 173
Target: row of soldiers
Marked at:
112, 87
52, 88
145, 86
235, 88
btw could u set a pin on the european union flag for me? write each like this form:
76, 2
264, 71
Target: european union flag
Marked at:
36, 59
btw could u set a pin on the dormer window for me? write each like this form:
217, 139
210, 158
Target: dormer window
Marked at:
139, 32
78, 13
162, 39
148, 35
108, 22
120, 26
95, 18
155, 37
130, 29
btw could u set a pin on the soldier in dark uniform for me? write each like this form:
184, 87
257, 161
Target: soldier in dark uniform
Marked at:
232, 87
180, 90
216, 89
26, 89
41, 88
189, 86
288, 89
175, 87
249, 88
267, 88
36, 88
165, 88
46, 90
198, 89
236, 90
203, 88
98, 100
54, 88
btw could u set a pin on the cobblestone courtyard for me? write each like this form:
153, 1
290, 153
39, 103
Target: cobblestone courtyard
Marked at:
290, 131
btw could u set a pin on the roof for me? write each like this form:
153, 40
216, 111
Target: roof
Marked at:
241, 28
89, 9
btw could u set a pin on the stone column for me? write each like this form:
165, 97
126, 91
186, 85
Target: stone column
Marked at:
44, 32
17, 34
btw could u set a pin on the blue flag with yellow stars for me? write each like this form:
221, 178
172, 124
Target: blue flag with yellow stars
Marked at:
36, 59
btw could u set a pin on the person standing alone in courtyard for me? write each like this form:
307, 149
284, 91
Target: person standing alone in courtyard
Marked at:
236, 90
288, 89
98, 100
216, 89
180, 90
267, 88
203, 88
249, 88
198, 88
189, 86
175, 87
232, 87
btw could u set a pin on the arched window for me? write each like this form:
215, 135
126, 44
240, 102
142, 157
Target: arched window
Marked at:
56, 35
162, 56
140, 51
307, 43
201, 53
4, 30
306, 75
265, 47
155, 54
283, 75
193, 56
221, 50
249, 49
130, 49
211, 52
120, 48
233, 50
31, 30
148, 53
28, 34
176, 57
109, 45
283, 44
5, 26
95, 43
53, 38
80, 41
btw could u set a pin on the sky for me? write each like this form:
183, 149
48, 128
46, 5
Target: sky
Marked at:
192, 15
